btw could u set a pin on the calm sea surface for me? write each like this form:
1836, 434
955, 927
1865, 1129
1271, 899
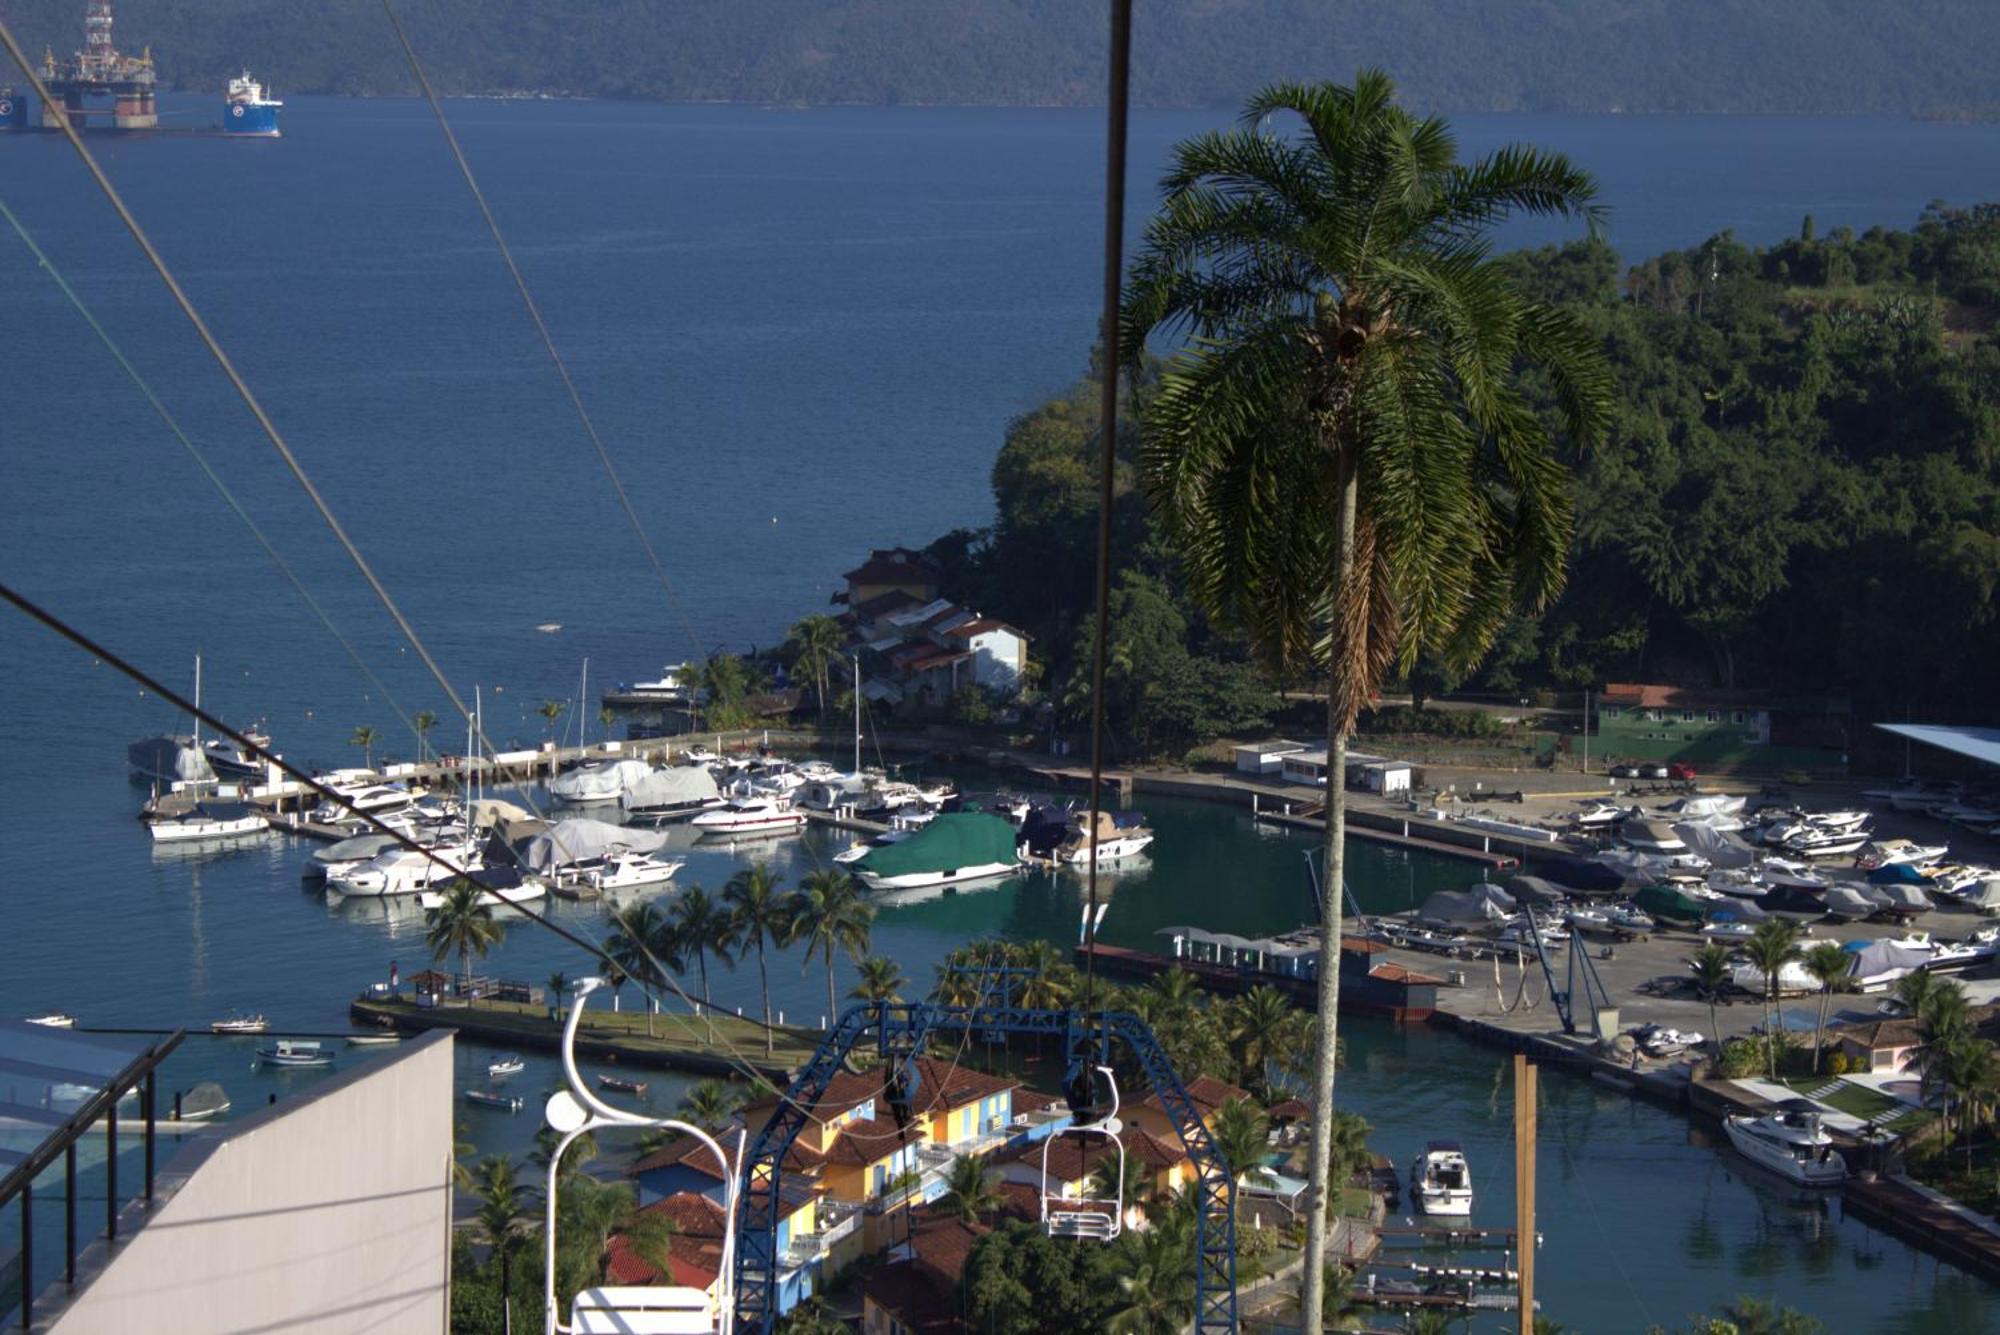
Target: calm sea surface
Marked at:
801, 334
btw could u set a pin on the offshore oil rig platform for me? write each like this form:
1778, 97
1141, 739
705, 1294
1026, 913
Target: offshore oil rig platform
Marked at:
85, 83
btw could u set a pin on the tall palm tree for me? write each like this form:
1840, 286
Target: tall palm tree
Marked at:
816, 642
551, 710
365, 737
463, 923
763, 916
1775, 944
1343, 456
829, 915
642, 943
709, 1104
1173, 994
1242, 1136
423, 722
1156, 1293
1710, 968
1254, 1025
1829, 965
703, 928
502, 1218
558, 986
975, 1192
591, 1216
881, 977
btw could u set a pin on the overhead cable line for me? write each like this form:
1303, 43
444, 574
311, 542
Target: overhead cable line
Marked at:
542, 328
342, 800
1114, 277
56, 113
201, 461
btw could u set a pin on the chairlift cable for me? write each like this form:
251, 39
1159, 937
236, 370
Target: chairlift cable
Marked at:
1114, 277
542, 328
201, 461
222, 360
174, 698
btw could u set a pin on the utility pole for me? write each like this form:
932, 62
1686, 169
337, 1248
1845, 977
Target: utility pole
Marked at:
1524, 1185
1586, 730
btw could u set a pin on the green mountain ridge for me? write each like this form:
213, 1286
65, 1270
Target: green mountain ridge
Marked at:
1639, 56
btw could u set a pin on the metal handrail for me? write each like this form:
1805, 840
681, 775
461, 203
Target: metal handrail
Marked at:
20, 1179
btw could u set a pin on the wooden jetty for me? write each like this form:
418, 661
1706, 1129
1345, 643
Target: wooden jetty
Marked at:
678, 1042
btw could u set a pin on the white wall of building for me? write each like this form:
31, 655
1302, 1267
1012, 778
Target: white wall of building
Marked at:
997, 658
328, 1212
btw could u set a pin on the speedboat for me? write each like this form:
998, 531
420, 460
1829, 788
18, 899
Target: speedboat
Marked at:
230, 761
886, 800
296, 1052
1629, 918
404, 871
622, 869
751, 815
1441, 1180
1597, 814
1120, 834
54, 1020
240, 1022
487, 1098
1729, 930
1660, 1041
210, 820
1896, 852
1790, 1142
1815, 842
1588, 920
506, 1064
517, 890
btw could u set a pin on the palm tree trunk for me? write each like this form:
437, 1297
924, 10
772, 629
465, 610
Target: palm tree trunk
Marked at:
1819, 1030
831, 1003
707, 1011
1313, 1300
764, 985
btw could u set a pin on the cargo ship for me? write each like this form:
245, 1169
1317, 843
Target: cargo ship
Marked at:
246, 111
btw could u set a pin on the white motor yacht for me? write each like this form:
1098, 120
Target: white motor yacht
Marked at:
1441, 1180
1597, 814
751, 815
403, 871
373, 798
210, 820
526, 891
1790, 1142
1120, 834
1815, 842
622, 869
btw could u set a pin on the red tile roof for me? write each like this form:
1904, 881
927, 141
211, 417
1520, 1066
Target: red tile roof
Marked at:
1397, 973
1206, 1092
1635, 695
694, 1254
919, 1301
893, 565
1291, 1110
941, 1085
690, 1153
980, 625
1074, 1158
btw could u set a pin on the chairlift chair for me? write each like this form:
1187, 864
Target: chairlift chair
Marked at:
1092, 1220
630, 1309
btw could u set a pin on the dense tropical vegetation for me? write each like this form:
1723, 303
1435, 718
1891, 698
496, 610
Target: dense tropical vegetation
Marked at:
1840, 56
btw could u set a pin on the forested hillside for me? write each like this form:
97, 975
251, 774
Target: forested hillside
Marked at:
1800, 492
1452, 55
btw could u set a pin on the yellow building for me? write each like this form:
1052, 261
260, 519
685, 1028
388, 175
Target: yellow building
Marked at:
1204, 1091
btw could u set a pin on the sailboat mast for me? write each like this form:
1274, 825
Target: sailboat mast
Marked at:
857, 716
197, 701
583, 707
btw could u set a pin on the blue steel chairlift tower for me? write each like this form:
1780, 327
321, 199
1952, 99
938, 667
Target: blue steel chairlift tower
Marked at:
900, 1031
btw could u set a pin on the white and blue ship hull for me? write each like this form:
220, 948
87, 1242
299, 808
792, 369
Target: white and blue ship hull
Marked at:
252, 119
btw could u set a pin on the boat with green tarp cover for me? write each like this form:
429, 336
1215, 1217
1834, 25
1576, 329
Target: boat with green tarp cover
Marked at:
1664, 901
952, 849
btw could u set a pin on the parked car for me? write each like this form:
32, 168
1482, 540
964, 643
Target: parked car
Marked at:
1625, 771
1682, 771
1653, 771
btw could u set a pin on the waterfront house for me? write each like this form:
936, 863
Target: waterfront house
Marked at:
1375, 774
917, 1293
694, 1251
890, 570
1205, 1092
1153, 1164
1879, 1047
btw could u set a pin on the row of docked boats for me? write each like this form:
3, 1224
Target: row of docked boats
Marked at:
1954, 803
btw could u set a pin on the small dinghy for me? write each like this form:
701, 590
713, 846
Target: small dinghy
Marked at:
487, 1098
374, 1040
506, 1064
621, 1085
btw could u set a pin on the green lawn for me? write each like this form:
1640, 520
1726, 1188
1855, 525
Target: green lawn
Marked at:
1857, 1100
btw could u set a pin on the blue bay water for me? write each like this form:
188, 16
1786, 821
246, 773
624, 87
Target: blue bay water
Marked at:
802, 334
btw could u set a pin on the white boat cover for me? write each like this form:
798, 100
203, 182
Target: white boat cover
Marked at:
603, 782
1984, 896
1908, 898
1707, 804
1880, 958
669, 787
1634, 865
360, 848
1464, 906
1720, 848
581, 840
491, 811
176, 759
1846, 901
